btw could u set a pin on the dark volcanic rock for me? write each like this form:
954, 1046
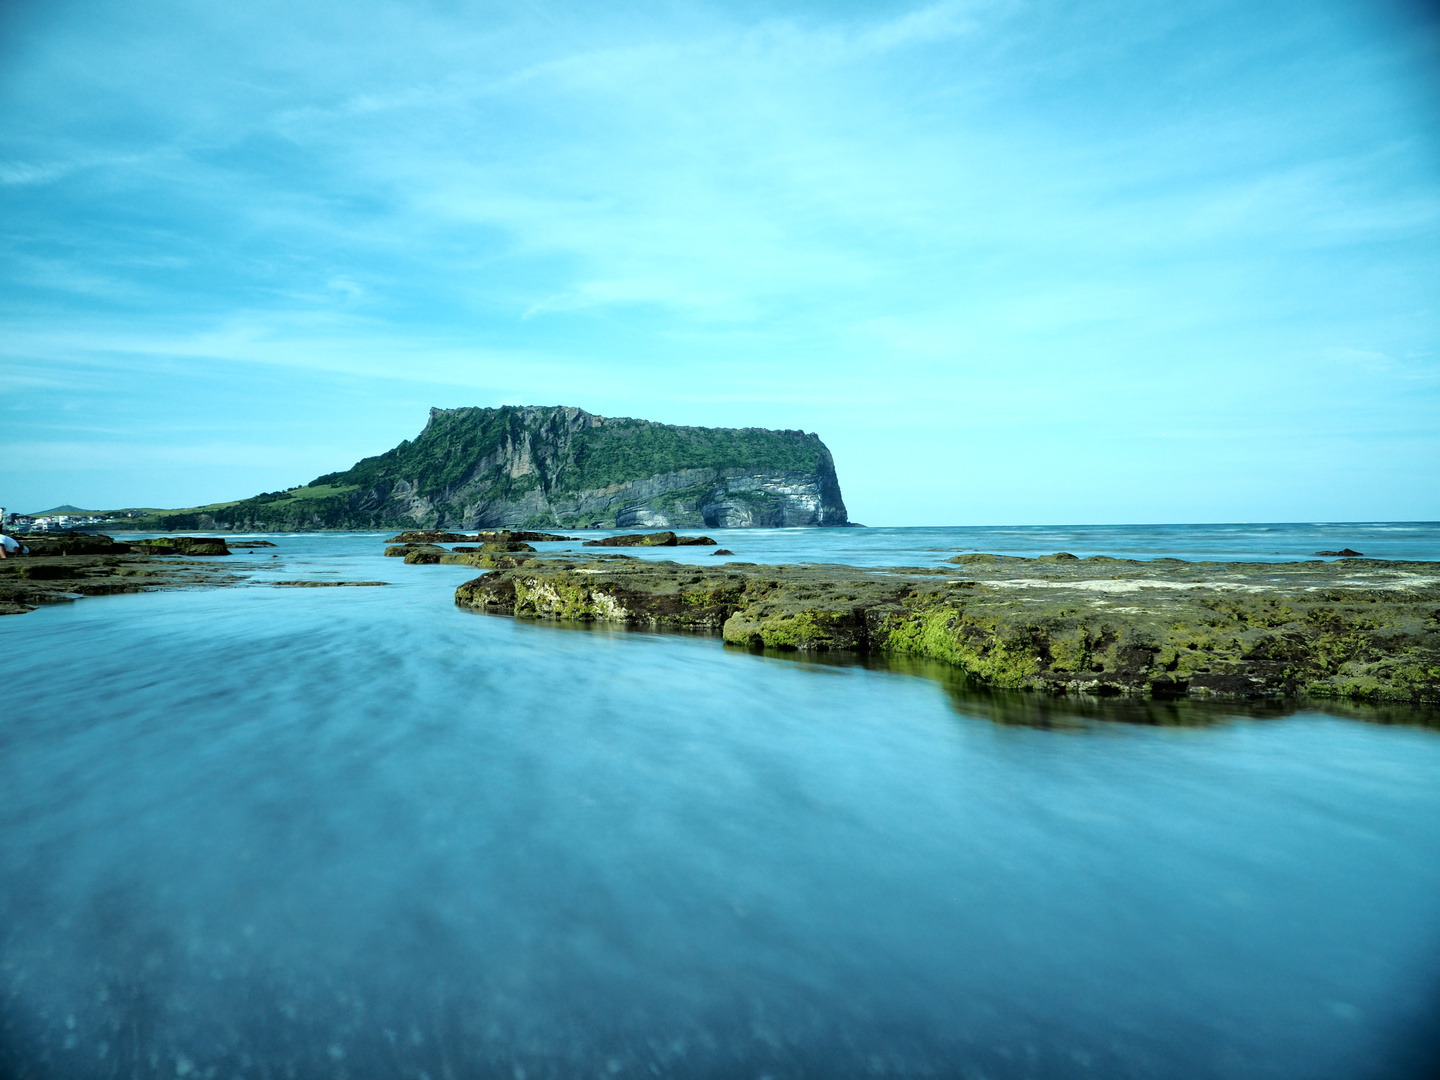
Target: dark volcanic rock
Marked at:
722, 551
1344, 553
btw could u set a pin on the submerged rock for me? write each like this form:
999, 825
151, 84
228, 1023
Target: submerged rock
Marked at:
659, 539
1098, 626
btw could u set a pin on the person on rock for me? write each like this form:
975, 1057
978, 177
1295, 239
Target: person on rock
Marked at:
10, 546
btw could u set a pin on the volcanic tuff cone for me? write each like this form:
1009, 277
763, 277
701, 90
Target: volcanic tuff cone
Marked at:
536, 466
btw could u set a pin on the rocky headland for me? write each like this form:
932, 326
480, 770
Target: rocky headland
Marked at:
549, 467
1357, 629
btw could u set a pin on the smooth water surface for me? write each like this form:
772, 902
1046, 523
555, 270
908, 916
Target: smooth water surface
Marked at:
269, 832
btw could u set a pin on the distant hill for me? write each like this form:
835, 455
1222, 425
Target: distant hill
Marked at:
67, 509
537, 466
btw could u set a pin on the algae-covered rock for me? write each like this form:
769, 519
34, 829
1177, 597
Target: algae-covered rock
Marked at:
396, 551
508, 546
659, 539
428, 536
1165, 629
185, 545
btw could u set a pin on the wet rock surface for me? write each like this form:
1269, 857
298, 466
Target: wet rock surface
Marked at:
1164, 629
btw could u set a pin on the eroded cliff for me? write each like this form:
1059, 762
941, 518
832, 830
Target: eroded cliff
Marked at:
538, 466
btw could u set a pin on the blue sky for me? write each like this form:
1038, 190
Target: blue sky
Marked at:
1016, 262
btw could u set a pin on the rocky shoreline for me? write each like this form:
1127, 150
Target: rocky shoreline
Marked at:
1356, 629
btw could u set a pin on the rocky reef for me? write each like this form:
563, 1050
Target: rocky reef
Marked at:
66, 567
551, 467
1358, 629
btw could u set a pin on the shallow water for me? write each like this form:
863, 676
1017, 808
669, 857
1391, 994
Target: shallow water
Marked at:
360, 832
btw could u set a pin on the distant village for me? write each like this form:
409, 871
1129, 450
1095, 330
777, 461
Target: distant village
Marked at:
56, 522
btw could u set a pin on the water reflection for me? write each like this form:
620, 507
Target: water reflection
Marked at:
1080, 711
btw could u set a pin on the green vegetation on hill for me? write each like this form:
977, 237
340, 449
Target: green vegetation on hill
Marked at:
610, 453
624, 450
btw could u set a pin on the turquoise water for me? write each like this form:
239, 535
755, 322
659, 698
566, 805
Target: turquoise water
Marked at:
267, 832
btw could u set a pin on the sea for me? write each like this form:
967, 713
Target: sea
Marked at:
263, 832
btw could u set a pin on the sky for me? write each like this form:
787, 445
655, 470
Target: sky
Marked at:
1016, 262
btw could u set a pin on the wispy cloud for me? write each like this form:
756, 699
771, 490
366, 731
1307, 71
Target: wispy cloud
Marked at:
813, 214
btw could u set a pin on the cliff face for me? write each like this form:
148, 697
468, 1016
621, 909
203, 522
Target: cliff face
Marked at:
553, 466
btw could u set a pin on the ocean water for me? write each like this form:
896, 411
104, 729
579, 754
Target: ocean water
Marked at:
270, 832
